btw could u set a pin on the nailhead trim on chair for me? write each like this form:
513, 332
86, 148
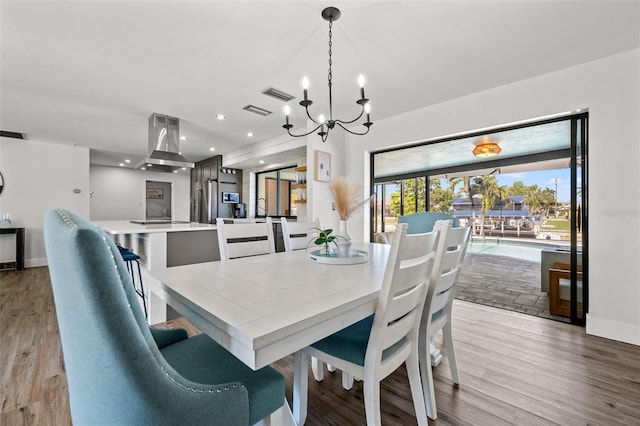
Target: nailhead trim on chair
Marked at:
69, 221
190, 389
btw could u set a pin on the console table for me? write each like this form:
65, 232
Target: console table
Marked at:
18, 265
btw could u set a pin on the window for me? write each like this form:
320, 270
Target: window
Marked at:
275, 193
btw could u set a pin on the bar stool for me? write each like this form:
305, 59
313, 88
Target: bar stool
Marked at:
129, 257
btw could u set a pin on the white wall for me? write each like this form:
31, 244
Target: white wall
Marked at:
119, 193
38, 177
319, 198
610, 89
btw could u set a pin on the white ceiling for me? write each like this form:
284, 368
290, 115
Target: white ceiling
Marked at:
91, 72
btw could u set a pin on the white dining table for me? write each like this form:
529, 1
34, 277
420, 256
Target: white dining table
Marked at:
264, 308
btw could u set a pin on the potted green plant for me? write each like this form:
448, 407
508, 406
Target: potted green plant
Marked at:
324, 238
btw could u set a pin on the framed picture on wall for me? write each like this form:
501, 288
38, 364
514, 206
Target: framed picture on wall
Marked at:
323, 166
155, 193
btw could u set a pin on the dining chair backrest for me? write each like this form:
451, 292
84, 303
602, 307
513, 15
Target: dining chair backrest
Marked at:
451, 252
296, 234
244, 239
402, 295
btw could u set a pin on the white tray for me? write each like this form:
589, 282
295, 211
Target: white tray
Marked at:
355, 256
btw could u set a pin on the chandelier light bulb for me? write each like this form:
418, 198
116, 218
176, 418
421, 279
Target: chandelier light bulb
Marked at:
361, 80
305, 83
367, 107
287, 111
321, 119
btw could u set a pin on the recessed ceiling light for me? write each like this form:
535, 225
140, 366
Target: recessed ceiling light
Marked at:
184, 168
121, 164
212, 149
127, 161
261, 161
143, 168
220, 116
250, 134
183, 138
175, 171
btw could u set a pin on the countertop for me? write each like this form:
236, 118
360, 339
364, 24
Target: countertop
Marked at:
115, 227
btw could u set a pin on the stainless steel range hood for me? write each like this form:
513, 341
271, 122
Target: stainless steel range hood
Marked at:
164, 146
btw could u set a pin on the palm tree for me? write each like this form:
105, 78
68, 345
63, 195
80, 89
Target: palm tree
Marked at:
491, 193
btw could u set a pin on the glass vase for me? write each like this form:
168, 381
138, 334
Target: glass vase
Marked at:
343, 230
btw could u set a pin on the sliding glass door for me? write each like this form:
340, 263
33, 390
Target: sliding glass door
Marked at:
533, 190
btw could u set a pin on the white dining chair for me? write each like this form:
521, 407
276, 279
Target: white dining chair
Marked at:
375, 347
436, 316
244, 239
296, 235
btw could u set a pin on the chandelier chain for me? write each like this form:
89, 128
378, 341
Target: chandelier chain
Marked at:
330, 75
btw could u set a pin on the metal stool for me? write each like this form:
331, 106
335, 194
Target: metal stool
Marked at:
129, 257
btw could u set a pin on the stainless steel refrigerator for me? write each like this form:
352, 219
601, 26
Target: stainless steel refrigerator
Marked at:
205, 201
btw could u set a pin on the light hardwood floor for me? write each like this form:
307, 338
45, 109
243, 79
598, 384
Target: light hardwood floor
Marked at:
515, 369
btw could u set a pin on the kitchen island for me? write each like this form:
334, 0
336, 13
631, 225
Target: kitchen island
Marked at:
161, 246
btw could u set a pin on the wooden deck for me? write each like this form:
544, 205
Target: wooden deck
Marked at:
515, 369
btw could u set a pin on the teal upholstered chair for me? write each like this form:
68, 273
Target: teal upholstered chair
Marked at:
122, 372
424, 221
419, 223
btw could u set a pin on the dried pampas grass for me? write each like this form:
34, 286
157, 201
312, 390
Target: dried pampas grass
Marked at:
345, 194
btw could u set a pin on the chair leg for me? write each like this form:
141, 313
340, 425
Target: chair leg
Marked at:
347, 380
451, 354
317, 367
428, 389
371, 390
413, 371
276, 418
331, 368
144, 298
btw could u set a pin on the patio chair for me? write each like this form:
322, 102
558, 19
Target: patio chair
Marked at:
122, 372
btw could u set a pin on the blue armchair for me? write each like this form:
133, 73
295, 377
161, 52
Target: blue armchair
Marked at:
422, 222
121, 371
419, 223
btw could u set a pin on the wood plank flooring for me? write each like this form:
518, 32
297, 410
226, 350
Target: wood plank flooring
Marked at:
515, 369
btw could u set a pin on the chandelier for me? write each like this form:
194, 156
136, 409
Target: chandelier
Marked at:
323, 127
486, 148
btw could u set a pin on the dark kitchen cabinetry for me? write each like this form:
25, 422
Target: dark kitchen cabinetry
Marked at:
209, 180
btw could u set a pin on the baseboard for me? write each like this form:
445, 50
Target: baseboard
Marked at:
35, 263
623, 332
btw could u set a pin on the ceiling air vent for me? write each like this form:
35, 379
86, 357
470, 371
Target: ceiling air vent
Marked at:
14, 135
278, 94
256, 110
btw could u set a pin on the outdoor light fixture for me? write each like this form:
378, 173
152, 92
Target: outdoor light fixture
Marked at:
486, 148
330, 14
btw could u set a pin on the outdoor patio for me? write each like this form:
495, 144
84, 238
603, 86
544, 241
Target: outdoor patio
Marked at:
504, 282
